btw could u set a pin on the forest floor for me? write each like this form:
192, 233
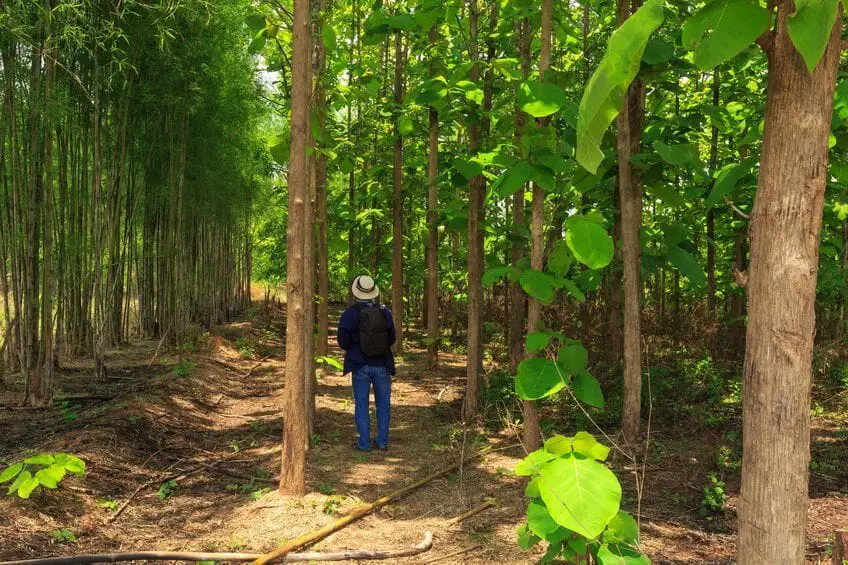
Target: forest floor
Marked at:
212, 417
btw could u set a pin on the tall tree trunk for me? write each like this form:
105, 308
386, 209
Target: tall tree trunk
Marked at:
532, 438
630, 202
475, 269
711, 283
322, 345
432, 294
785, 233
397, 202
295, 437
517, 297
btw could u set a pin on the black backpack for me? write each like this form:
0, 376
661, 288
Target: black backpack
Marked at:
373, 332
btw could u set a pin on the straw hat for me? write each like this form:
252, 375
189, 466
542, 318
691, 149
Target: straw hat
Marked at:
364, 288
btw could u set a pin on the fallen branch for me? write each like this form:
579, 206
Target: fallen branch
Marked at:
357, 513
360, 554
489, 503
449, 555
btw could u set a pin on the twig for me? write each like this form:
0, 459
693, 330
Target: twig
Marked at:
736, 209
489, 503
358, 554
443, 557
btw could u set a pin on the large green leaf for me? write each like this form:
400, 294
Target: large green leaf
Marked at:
11, 472
328, 37
590, 244
587, 389
725, 182
622, 529
537, 378
733, 26
687, 265
50, 476
538, 285
469, 168
560, 259
604, 95
405, 125
620, 555
40, 459
540, 99
256, 22
581, 494
495, 273
513, 179
680, 155
810, 28
539, 519
573, 357
26, 486
537, 341
585, 443
22, 477
531, 464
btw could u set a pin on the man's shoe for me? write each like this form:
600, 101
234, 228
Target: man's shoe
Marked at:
357, 448
383, 447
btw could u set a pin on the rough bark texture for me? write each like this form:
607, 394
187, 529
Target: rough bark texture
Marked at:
432, 299
475, 270
295, 437
630, 203
785, 231
397, 207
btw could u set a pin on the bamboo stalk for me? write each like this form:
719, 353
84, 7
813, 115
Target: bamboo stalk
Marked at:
489, 503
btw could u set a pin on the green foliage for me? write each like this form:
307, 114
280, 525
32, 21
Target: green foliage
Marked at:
604, 95
574, 503
63, 536
810, 28
43, 470
714, 497
166, 489
184, 369
732, 25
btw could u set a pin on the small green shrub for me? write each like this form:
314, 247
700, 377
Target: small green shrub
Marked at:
63, 536
166, 489
43, 470
68, 410
246, 348
714, 498
183, 369
107, 504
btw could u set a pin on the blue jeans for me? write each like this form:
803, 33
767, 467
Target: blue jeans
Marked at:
362, 381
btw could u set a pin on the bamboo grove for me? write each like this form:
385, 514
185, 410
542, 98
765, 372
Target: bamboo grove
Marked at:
129, 157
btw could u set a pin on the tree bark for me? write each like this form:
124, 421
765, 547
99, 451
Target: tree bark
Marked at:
397, 206
630, 202
295, 438
432, 298
785, 232
475, 216
711, 283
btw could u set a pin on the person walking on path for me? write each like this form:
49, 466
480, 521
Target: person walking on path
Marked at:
366, 334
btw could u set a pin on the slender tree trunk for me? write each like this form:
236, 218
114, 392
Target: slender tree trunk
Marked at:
517, 297
785, 233
397, 206
532, 438
295, 437
432, 298
711, 283
630, 199
475, 216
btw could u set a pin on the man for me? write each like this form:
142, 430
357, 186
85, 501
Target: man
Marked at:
366, 333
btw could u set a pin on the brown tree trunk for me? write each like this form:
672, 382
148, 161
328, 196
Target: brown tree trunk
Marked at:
432, 294
293, 468
630, 199
711, 283
532, 437
397, 206
322, 345
517, 297
785, 233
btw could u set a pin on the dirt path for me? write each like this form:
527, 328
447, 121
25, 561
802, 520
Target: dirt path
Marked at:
220, 405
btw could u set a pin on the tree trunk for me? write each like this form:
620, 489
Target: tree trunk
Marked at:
432, 298
397, 207
711, 283
785, 233
630, 199
293, 468
475, 216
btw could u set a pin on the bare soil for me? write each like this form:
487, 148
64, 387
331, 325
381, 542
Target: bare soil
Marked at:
162, 414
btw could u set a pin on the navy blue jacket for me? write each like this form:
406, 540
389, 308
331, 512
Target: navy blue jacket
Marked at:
348, 338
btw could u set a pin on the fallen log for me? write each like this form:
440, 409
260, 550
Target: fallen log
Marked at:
358, 554
362, 511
